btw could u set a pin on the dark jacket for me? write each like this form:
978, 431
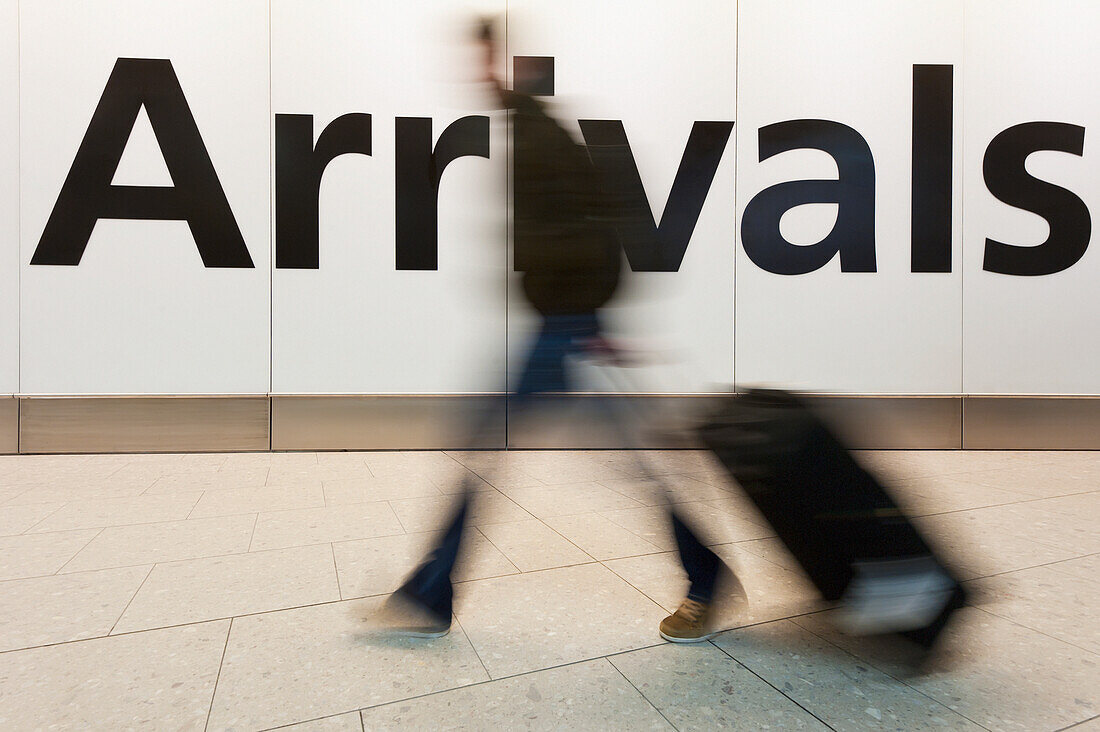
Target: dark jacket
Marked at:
564, 234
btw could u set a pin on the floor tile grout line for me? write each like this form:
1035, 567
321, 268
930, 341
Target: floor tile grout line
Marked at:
336, 571
197, 501
404, 529
502, 553
218, 678
27, 531
1091, 651
643, 696
192, 559
886, 672
506, 677
1030, 567
252, 536
131, 600
519, 674
1022, 502
68, 561
1078, 724
785, 695
636, 589
322, 603
472, 648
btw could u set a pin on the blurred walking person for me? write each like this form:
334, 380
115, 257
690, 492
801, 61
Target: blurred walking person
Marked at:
566, 243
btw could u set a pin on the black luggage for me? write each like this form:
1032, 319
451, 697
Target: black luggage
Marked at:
832, 514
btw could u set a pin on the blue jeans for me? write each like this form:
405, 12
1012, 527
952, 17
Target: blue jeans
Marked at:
559, 337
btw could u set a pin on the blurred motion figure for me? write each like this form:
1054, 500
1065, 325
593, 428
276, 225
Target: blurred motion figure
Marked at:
566, 244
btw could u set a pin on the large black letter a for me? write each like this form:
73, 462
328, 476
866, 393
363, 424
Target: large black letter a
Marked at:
88, 194
853, 235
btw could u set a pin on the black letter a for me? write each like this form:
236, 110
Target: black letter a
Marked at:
88, 194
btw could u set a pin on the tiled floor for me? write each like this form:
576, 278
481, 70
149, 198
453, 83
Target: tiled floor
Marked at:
228, 591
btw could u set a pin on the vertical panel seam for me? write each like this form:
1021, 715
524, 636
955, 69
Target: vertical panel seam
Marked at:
270, 238
736, 166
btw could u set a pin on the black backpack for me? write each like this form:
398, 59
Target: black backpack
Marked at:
566, 242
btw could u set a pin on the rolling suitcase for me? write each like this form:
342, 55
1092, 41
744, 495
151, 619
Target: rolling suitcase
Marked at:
840, 523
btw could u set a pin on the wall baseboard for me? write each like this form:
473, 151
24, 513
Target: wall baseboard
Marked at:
9, 425
143, 424
1031, 423
434, 422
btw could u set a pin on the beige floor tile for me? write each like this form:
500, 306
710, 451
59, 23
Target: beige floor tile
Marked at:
1042, 481
600, 537
1081, 505
763, 591
72, 490
119, 512
564, 467
195, 590
1080, 534
978, 549
302, 526
772, 549
158, 680
530, 621
497, 467
10, 496
941, 494
61, 608
291, 665
700, 687
351, 460
650, 523
1000, 674
741, 508
648, 492
639, 463
308, 475
254, 500
532, 545
1084, 567
121, 546
1044, 599
378, 566
562, 500
342, 492
505, 478
712, 525
34, 555
418, 515
669, 489
349, 722
584, 696
419, 464
17, 519
892, 465
249, 460
212, 481
833, 685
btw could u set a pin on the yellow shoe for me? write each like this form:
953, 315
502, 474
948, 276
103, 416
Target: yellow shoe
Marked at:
689, 624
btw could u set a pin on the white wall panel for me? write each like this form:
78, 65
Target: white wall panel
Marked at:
659, 67
851, 62
356, 324
140, 313
9, 196
1031, 61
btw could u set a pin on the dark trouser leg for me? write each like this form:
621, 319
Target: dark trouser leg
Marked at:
700, 563
430, 584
